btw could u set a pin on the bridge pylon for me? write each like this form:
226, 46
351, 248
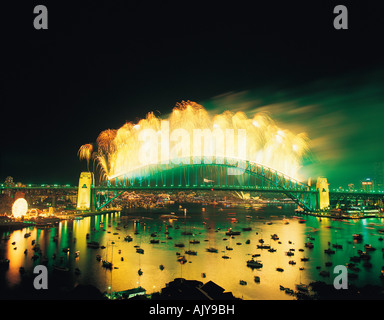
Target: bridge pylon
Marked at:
85, 199
322, 187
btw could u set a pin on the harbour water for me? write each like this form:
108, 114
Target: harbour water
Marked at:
209, 227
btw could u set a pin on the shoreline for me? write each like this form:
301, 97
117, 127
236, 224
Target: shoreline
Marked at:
339, 217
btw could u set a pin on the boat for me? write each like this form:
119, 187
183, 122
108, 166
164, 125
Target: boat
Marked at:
304, 259
154, 241
272, 250
191, 252
288, 291
280, 269
181, 259
254, 263
140, 272
232, 233
93, 244
329, 251
60, 268
308, 245
128, 238
194, 241
368, 247
247, 229
243, 283
28, 234
357, 237
274, 237
140, 250
211, 249
179, 245
256, 279
292, 262
161, 267
263, 246
228, 248
107, 264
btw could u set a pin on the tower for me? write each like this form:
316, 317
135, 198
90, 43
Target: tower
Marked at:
322, 187
84, 193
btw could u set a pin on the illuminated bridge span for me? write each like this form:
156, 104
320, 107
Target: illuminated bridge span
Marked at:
193, 173
217, 174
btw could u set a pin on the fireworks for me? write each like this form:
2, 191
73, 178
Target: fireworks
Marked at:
191, 130
85, 152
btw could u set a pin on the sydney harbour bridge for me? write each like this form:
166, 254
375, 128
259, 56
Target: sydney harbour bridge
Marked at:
219, 174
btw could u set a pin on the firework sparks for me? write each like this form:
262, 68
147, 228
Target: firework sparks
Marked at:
119, 151
85, 153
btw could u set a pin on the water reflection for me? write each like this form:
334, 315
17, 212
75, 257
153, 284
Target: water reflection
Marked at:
66, 246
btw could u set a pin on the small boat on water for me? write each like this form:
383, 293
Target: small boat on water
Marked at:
140, 250
191, 252
275, 237
128, 238
194, 241
256, 279
329, 251
308, 245
93, 244
60, 268
154, 241
263, 246
182, 259
254, 263
232, 233
357, 236
243, 283
280, 269
28, 234
211, 249
107, 264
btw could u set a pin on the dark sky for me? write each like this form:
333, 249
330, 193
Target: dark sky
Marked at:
101, 64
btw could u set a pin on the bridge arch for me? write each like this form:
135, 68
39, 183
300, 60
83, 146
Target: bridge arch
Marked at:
202, 173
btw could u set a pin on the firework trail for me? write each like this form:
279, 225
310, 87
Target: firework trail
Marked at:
118, 151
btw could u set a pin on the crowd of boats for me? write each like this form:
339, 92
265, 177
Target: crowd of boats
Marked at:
255, 262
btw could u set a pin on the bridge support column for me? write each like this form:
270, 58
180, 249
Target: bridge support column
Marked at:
85, 201
322, 187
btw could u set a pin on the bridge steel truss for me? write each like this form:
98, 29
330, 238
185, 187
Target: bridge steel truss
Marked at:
202, 173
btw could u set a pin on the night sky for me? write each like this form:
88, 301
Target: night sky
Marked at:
101, 64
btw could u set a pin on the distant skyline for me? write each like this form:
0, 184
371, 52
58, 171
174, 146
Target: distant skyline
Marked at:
64, 85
